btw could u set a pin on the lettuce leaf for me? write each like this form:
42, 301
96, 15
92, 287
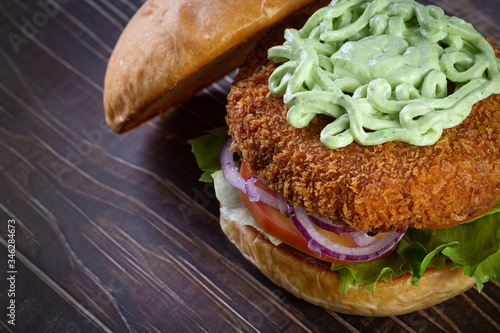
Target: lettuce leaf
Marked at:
473, 245
468, 253
207, 149
487, 270
351, 276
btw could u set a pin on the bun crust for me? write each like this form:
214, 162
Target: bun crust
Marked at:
312, 280
170, 49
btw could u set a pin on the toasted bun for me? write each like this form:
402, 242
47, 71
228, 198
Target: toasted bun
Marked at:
170, 49
312, 280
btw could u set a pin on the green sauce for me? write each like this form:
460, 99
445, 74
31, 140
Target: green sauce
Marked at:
381, 69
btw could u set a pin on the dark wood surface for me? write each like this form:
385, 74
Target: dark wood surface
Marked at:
113, 232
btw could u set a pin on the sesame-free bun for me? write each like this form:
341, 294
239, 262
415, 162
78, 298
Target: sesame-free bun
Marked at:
312, 279
172, 48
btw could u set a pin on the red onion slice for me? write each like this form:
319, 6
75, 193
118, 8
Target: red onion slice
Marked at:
322, 245
229, 170
251, 189
256, 193
282, 204
362, 239
328, 225
233, 177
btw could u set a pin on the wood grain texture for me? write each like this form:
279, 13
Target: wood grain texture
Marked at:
114, 232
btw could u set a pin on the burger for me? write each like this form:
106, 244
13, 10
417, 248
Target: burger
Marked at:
360, 168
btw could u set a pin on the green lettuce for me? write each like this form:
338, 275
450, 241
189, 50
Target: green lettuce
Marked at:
473, 246
206, 150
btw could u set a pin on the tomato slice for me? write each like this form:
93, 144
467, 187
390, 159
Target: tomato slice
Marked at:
281, 226
454, 223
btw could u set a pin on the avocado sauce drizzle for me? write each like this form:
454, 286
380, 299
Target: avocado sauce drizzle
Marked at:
382, 70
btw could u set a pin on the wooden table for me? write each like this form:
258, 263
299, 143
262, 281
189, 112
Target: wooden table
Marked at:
114, 232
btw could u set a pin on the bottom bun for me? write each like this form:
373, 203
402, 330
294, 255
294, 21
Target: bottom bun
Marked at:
312, 279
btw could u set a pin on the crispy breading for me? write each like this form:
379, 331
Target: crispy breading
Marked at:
371, 188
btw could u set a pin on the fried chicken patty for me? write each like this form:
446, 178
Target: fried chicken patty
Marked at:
371, 188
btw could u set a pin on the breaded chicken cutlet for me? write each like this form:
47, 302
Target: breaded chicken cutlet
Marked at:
377, 188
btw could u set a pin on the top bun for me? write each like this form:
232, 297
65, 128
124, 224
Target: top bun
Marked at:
170, 49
